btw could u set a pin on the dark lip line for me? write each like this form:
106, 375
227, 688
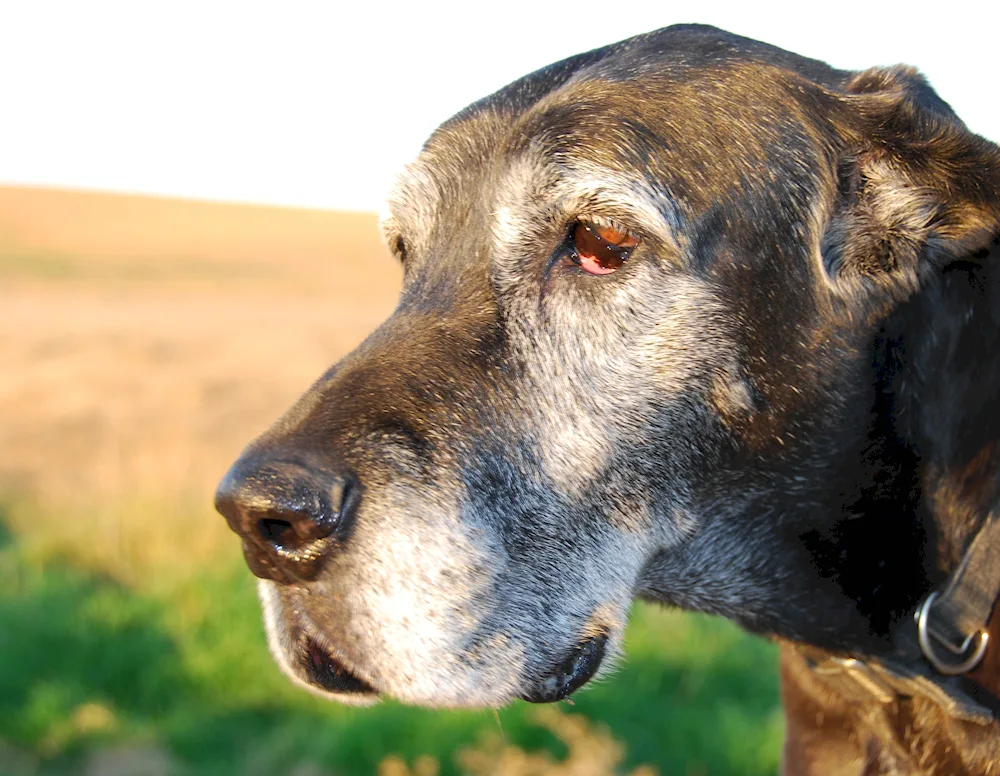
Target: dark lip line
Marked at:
572, 673
308, 633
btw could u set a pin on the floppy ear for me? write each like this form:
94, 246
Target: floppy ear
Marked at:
916, 188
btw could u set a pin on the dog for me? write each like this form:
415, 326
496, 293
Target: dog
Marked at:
689, 319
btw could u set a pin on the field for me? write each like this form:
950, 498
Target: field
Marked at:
143, 343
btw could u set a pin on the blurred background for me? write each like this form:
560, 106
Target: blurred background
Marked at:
146, 336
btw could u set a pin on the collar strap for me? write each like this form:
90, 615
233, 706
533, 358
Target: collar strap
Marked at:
956, 619
888, 681
952, 637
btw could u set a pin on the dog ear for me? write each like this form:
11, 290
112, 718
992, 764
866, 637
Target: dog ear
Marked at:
916, 188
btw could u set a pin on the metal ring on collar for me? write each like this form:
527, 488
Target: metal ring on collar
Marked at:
924, 637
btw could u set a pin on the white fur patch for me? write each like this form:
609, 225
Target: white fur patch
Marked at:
421, 581
411, 207
574, 451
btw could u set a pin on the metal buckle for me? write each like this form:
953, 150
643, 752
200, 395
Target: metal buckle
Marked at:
925, 632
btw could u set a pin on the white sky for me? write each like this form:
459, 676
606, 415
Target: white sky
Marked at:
317, 104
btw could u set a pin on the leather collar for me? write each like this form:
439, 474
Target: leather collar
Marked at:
939, 655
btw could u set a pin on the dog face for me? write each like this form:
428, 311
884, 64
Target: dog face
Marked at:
632, 351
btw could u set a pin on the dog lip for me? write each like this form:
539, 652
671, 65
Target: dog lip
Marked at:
326, 672
571, 674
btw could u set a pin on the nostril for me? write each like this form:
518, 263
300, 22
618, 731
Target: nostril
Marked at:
290, 516
273, 531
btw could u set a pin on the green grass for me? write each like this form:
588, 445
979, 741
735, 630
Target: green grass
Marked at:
88, 663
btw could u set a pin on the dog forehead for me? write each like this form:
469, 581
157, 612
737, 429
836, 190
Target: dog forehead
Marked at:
697, 114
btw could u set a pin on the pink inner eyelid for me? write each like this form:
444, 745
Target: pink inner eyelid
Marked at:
591, 265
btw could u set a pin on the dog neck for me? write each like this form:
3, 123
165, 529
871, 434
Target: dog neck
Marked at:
937, 431
947, 410
947, 403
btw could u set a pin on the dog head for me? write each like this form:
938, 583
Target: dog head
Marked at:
632, 357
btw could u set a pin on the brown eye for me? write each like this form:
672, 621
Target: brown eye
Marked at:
600, 250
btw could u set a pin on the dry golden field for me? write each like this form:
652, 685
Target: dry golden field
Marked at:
144, 341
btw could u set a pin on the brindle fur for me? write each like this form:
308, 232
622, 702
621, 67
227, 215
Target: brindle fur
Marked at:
782, 409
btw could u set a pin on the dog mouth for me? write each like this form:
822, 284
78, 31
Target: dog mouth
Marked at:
571, 674
320, 663
305, 655
322, 670
325, 671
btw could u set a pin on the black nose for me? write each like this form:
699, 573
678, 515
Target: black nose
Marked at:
289, 515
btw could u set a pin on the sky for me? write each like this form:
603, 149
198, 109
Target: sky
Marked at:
318, 104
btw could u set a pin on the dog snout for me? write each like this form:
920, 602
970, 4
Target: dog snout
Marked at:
290, 516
